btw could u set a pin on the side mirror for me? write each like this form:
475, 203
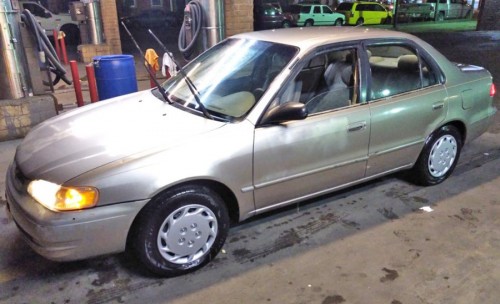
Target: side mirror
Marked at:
285, 112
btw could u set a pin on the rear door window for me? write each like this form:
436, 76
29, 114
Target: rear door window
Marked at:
397, 69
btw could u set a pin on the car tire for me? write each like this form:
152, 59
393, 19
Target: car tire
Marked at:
338, 22
360, 21
388, 20
309, 23
180, 230
286, 24
438, 157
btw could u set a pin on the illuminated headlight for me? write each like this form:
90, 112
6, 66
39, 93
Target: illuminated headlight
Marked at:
59, 198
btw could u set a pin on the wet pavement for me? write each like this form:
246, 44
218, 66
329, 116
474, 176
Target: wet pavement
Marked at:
386, 241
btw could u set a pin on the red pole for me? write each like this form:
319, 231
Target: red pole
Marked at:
76, 83
151, 81
56, 42
63, 49
92, 83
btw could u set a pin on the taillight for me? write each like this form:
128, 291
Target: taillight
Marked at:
493, 90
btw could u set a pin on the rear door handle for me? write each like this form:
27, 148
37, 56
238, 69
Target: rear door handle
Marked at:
357, 126
437, 106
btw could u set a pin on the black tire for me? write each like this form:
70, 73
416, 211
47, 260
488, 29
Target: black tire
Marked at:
180, 230
388, 20
309, 23
360, 21
338, 22
286, 24
438, 157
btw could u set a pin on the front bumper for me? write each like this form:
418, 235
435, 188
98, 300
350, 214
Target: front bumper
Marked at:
69, 236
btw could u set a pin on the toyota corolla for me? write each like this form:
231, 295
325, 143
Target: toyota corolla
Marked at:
259, 121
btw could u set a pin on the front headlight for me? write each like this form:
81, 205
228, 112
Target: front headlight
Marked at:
60, 198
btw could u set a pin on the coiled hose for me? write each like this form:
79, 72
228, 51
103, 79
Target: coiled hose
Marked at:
187, 47
47, 54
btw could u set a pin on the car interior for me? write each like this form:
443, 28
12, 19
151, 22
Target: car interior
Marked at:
325, 83
396, 70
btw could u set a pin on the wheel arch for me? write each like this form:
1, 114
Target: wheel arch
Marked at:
222, 190
460, 126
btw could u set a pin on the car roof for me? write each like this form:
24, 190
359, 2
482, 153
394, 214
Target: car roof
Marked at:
310, 37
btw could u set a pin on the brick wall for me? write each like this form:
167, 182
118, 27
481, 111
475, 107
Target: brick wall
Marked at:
110, 24
238, 16
489, 16
112, 43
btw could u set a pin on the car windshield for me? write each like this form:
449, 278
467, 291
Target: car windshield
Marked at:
230, 77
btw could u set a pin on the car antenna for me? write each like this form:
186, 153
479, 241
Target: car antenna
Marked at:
161, 89
189, 83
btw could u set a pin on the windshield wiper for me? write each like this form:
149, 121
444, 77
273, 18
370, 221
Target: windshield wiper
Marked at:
188, 81
161, 89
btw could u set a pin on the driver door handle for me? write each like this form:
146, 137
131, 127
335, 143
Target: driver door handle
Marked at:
357, 126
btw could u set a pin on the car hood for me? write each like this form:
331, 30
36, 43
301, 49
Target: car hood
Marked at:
78, 141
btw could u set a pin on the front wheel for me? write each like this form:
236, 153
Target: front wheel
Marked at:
338, 22
388, 20
180, 230
438, 157
360, 21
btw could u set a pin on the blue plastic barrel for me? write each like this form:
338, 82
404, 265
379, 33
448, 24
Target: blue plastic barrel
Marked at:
114, 75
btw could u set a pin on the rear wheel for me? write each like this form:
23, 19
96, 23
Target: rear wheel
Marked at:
438, 157
360, 21
180, 230
287, 24
309, 23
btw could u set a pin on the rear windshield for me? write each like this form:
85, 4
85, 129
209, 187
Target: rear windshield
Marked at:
345, 6
305, 9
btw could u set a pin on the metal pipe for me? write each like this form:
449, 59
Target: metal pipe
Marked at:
13, 67
96, 31
213, 27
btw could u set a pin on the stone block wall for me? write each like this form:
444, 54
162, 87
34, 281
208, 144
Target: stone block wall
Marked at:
18, 116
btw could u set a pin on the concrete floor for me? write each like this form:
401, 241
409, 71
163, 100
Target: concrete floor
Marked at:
368, 244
